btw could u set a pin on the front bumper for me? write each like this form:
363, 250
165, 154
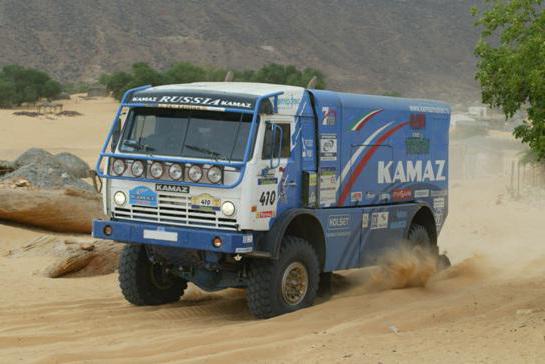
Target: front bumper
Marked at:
179, 237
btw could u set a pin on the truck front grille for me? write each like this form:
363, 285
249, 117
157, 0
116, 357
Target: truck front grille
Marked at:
174, 209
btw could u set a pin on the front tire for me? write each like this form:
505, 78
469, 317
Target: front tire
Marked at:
285, 285
144, 283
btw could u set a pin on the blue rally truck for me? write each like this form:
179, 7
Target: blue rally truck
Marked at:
267, 187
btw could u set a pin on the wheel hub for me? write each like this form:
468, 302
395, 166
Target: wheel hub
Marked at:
294, 283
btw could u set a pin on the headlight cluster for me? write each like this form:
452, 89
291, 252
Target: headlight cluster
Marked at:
175, 171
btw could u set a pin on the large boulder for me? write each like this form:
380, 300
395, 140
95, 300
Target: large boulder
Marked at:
65, 210
34, 155
74, 165
47, 191
71, 256
44, 170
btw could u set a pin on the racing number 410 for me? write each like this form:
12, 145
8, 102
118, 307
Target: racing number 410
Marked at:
267, 198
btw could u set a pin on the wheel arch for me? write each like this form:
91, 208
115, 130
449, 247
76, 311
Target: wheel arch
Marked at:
301, 223
424, 217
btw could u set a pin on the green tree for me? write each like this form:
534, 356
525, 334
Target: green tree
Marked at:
511, 67
185, 72
19, 84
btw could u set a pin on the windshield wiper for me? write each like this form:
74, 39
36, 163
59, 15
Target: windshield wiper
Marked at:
137, 146
209, 152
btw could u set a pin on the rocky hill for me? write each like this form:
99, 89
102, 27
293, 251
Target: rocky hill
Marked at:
416, 48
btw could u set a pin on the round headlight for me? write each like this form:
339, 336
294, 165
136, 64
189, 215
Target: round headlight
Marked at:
156, 170
175, 171
137, 168
120, 198
214, 175
228, 208
195, 173
118, 167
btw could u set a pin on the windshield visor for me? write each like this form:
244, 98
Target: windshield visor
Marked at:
183, 133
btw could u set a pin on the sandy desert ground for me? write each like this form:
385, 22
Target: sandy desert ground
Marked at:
488, 307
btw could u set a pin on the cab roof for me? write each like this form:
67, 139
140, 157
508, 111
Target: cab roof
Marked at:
243, 88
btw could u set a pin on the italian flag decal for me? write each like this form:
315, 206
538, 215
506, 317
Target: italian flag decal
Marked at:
360, 123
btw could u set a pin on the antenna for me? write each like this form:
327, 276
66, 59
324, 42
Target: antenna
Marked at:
229, 77
312, 83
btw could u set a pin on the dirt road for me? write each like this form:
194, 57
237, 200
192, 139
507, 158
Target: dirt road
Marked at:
489, 307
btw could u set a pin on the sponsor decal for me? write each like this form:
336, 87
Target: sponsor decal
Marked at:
379, 220
365, 221
143, 196
418, 121
338, 222
421, 193
417, 145
439, 193
248, 239
358, 125
411, 171
328, 147
438, 218
402, 194
288, 101
439, 203
159, 187
195, 100
329, 115
384, 196
308, 148
267, 181
429, 109
401, 224
356, 196
205, 202
370, 195
328, 186
264, 214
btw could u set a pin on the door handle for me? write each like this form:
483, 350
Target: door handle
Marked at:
291, 184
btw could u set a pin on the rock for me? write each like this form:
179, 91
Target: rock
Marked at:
72, 256
73, 165
6, 167
22, 183
70, 264
47, 174
33, 155
44, 170
68, 210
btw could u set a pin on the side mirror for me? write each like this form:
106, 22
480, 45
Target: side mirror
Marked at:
116, 135
276, 147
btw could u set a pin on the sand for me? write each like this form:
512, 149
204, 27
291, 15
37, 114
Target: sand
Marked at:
489, 307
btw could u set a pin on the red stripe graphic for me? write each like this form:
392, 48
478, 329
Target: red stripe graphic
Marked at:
363, 162
359, 124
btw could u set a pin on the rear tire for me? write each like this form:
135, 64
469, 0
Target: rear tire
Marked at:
418, 236
144, 283
285, 285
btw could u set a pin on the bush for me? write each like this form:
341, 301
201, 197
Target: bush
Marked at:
184, 72
19, 84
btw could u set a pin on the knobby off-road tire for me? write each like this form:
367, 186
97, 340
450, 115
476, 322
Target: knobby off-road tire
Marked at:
418, 236
144, 283
266, 297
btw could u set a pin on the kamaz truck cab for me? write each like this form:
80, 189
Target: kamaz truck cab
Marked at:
267, 187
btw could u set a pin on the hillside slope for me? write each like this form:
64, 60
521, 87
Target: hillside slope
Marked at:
418, 48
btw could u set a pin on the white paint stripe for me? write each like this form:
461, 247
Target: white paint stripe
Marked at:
160, 235
298, 130
360, 150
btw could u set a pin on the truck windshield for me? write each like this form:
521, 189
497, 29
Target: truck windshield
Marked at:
183, 133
